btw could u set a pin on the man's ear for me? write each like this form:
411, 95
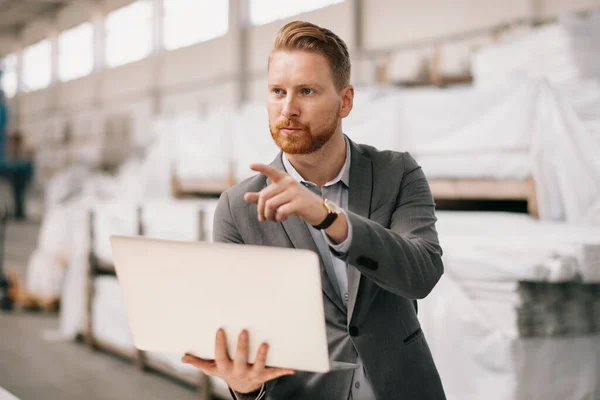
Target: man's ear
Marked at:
347, 96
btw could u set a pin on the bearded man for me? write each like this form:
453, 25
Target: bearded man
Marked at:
369, 214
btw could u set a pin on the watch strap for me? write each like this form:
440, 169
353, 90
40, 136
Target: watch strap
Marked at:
329, 219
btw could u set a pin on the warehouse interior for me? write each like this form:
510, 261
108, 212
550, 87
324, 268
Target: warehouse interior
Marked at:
121, 117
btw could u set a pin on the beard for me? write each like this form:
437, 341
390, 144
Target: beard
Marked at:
304, 141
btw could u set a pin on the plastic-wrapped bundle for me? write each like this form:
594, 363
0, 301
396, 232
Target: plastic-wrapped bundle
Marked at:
471, 337
562, 52
517, 308
252, 140
498, 246
110, 323
201, 147
187, 220
112, 218
375, 118
509, 132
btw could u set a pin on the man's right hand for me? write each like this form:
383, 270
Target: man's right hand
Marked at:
240, 376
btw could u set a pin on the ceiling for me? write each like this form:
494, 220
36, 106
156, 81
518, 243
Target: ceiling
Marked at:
14, 14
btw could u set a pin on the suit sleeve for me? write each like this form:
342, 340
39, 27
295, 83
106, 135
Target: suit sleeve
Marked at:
224, 227
405, 259
258, 395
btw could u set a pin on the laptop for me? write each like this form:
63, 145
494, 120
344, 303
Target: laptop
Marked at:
178, 294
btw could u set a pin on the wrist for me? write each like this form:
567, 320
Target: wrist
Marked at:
247, 390
338, 231
317, 213
329, 214
320, 216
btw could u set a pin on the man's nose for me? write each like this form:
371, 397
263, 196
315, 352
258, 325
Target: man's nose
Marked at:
290, 107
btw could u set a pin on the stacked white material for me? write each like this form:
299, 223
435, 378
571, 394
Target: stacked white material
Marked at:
474, 318
109, 316
453, 133
187, 220
46, 266
115, 201
163, 219
506, 132
198, 146
565, 54
79, 190
375, 118
479, 358
49, 261
468, 133
252, 142
584, 98
566, 51
516, 247
160, 219
112, 218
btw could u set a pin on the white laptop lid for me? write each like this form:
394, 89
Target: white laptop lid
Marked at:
178, 294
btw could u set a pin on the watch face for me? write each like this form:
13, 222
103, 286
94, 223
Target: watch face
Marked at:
334, 208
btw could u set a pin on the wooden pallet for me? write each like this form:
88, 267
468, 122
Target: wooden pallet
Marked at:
486, 189
32, 302
195, 188
26, 300
442, 189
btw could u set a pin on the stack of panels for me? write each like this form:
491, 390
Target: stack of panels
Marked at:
558, 309
561, 52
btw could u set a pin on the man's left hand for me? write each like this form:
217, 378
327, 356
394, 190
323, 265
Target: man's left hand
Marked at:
285, 197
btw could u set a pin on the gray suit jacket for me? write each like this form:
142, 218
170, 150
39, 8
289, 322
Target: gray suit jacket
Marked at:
394, 259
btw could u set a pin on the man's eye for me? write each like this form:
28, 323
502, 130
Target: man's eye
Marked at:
277, 91
306, 91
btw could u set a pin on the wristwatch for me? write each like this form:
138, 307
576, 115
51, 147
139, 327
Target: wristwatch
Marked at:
332, 213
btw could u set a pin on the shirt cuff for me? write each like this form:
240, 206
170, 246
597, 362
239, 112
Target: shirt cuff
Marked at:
259, 396
342, 248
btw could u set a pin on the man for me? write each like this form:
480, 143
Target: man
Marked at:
369, 214
3, 121
18, 172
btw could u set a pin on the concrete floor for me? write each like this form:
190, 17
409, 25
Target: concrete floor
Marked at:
21, 239
32, 369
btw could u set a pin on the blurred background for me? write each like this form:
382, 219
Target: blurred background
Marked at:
131, 117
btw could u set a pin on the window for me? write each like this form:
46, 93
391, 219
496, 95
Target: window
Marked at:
37, 66
76, 52
265, 11
129, 33
192, 21
9, 75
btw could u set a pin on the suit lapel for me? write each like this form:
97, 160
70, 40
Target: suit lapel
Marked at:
300, 237
359, 202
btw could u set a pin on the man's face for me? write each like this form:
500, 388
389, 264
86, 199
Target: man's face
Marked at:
304, 106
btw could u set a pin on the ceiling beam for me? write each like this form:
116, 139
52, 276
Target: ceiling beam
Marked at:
58, 2
27, 11
7, 5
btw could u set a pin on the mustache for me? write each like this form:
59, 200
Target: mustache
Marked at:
288, 123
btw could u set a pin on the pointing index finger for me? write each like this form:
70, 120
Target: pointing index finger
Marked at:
270, 172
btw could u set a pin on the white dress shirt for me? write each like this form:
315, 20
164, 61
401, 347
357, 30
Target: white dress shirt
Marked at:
336, 191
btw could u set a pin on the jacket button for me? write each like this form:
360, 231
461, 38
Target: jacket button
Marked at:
353, 331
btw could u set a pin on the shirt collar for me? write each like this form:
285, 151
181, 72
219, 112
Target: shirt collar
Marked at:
343, 176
